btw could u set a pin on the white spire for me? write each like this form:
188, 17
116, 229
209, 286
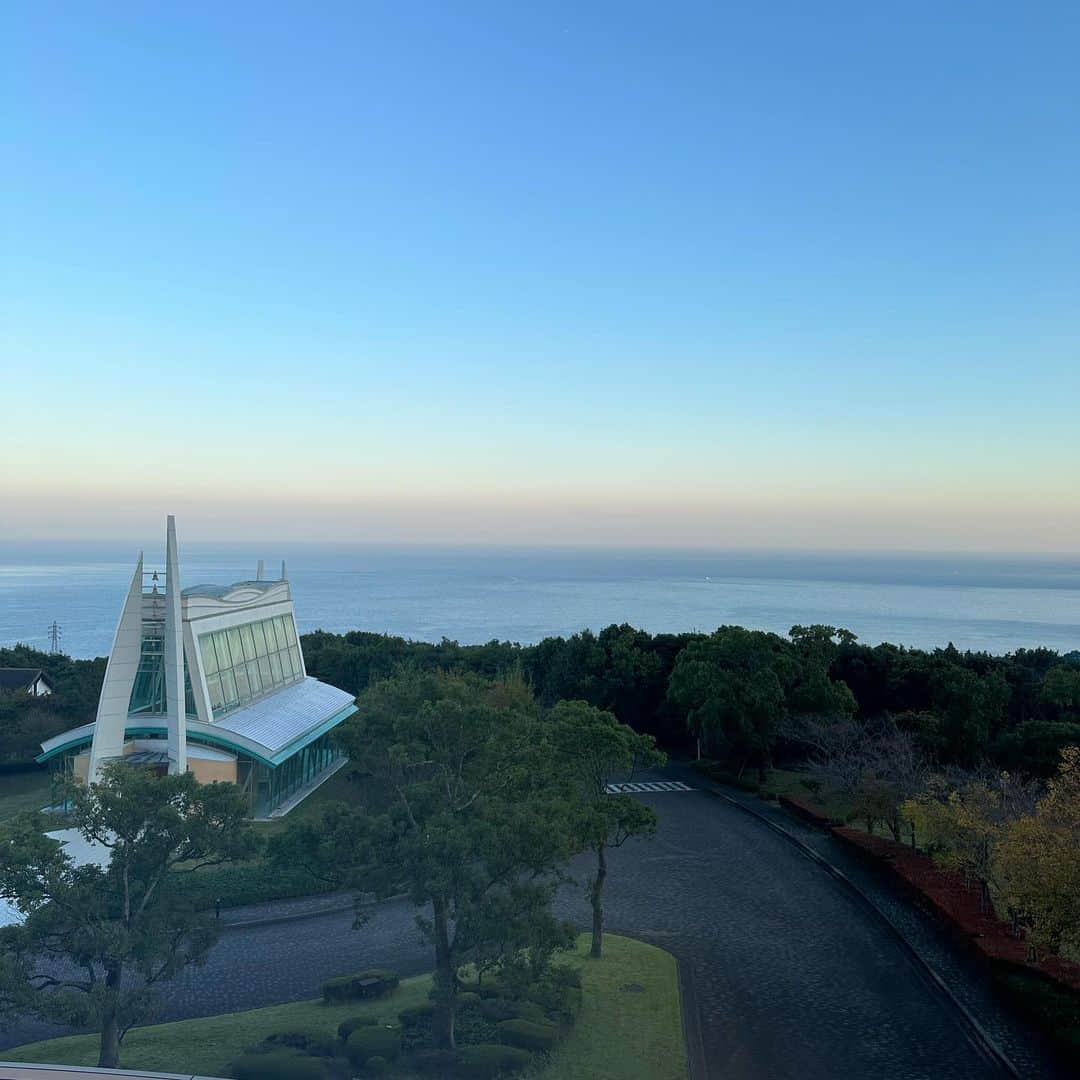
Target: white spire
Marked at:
284, 576
259, 571
120, 672
176, 720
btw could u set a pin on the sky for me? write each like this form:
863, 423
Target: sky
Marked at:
694, 274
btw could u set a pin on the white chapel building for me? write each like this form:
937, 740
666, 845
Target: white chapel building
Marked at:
211, 680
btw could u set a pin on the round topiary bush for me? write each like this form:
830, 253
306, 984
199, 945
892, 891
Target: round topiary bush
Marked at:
467, 999
433, 1062
278, 1065
527, 1035
562, 1003
376, 1065
487, 1060
496, 1009
369, 1042
417, 1015
347, 1027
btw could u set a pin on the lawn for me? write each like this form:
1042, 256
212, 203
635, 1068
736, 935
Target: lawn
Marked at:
630, 1027
23, 791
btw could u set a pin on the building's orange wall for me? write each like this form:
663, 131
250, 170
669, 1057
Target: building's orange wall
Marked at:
208, 772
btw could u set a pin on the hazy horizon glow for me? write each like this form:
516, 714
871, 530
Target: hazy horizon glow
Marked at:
626, 275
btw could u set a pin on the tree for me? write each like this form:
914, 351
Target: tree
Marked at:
962, 817
593, 746
1061, 688
1038, 861
94, 940
474, 824
730, 687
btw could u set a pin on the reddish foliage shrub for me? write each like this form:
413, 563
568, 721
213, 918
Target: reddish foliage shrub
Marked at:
958, 902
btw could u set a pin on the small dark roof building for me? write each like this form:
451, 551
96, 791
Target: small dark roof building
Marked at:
25, 679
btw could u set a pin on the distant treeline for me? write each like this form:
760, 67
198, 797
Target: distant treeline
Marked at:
25, 721
733, 688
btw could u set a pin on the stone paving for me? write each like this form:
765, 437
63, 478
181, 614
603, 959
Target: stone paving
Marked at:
790, 976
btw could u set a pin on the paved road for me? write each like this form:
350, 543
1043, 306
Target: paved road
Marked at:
790, 977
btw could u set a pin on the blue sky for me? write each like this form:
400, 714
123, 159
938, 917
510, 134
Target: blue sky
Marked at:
747, 274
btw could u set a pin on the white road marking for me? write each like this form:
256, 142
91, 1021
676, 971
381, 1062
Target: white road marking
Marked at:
648, 785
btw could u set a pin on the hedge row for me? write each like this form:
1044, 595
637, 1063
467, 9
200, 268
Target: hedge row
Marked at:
252, 883
372, 983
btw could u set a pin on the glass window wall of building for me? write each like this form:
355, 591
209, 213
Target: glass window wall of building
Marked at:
244, 662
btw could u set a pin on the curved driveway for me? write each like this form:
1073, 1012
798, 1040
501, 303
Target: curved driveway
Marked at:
786, 974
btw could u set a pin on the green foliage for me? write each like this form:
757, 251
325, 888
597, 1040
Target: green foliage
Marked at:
1037, 861
560, 1002
252, 883
723, 775
1049, 1006
528, 1035
960, 704
417, 1015
478, 825
315, 1043
497, 1008
278, 1065
376, 1065
490, 1060
25, 721
122, 929
347, 1027
430, 1061
372, 983
592, 747
1061, 689
1036, 745
368, 1042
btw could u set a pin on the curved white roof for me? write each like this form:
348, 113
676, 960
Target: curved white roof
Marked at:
284, 716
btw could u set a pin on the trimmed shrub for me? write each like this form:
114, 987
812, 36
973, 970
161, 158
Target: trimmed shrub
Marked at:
369, 1042
434, 1062
496, 1009
417, 1015
307, 1042
471, 1027
373, 983
527, 1035
565, 975
562, 1003
252, 883
488, 1059
467, 999
375, 1065
278, 1065
347, 1027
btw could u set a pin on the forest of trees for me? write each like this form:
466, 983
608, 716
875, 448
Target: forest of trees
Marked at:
736, 689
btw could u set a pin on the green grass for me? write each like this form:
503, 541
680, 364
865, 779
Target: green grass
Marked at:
621, 1034
624, 1034
20, 792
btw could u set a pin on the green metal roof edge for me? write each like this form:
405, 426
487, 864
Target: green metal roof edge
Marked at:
301, 741
273, 761
194, 736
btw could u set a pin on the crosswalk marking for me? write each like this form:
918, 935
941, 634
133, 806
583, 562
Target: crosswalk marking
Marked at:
648, 785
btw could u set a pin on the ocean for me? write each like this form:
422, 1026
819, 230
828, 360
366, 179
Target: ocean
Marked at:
995, 603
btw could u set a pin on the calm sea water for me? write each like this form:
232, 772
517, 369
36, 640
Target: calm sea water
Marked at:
475, 595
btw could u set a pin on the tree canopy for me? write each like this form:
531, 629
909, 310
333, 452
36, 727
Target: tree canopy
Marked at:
95, 940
